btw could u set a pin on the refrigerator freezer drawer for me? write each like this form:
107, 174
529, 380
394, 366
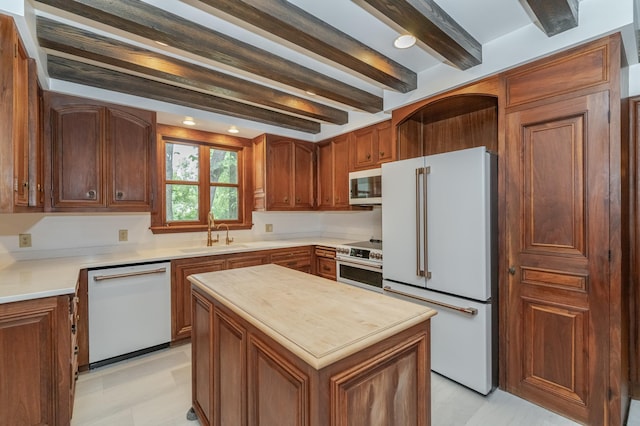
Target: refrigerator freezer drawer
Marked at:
461, 336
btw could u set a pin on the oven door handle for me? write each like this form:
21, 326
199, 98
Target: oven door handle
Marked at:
359, 265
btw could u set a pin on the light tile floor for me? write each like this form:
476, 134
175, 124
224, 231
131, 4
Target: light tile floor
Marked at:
155, 389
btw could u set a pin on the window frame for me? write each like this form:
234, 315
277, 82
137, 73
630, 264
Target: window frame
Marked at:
204, 141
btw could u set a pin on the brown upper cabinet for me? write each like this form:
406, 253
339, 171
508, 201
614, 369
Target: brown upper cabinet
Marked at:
372, 146
333, 173
20, 169
99, 155
455, 122
284, 174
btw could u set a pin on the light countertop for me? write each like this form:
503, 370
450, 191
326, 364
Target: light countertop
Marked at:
32, 279
319, 320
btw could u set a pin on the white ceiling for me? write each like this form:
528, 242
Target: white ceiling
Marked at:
505, 28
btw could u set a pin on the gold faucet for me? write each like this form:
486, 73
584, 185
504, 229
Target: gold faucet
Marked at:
227, 240
210, 224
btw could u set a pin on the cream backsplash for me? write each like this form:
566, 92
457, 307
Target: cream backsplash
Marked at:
58, 235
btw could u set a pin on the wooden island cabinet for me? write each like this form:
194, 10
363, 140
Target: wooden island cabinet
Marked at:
257, 359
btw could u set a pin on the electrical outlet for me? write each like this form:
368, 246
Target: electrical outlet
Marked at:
268, 227
123, 235
24, 240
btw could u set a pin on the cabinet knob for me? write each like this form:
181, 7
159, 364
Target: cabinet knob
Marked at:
119, 195
381, 153
297, 200
286, 199
512, 270
368, 156
91, 194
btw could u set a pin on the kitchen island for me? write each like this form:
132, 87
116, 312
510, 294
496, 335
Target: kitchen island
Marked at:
274, 346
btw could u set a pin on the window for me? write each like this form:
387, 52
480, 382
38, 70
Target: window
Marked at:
201, 172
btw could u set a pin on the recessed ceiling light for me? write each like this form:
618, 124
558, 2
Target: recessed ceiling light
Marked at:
161, 43
233, 129
188, 121
404, 41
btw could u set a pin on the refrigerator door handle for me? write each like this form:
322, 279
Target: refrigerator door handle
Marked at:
462, 310
422, 172
419, 173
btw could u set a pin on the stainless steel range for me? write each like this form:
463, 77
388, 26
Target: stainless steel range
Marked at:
360, 264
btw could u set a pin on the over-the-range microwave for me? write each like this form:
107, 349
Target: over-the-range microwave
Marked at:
365, 187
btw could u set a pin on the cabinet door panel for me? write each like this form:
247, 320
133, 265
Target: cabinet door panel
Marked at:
279, 174
202, 359
130, 144
280, 391
341, 171
385, 149
558, 242
77, 149
229, 370
35, 362
21, 127
303, 176
181, 292
363, 148
325, 175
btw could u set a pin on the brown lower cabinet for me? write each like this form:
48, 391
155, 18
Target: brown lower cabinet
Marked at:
241, 376
37, 361
298, 258
326, 262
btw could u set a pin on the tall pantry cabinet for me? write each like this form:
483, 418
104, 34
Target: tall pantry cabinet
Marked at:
564, 314
20, 142
563, 229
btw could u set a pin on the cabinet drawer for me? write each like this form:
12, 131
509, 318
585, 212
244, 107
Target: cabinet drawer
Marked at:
326, 268
298, 258
328, 252
243, 261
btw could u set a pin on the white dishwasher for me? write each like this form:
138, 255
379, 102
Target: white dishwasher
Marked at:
129, 311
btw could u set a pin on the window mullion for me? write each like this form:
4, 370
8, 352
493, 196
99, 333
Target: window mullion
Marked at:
205, 191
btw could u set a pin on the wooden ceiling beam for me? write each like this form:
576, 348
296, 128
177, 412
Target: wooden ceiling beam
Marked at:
156, 24
432, 27
555, 16
289, 24
78, 42
91, 75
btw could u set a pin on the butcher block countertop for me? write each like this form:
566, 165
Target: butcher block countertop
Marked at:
319, 320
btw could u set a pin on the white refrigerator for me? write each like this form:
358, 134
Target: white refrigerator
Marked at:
439, 234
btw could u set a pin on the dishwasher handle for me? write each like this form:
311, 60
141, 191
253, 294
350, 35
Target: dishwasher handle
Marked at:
129, 274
